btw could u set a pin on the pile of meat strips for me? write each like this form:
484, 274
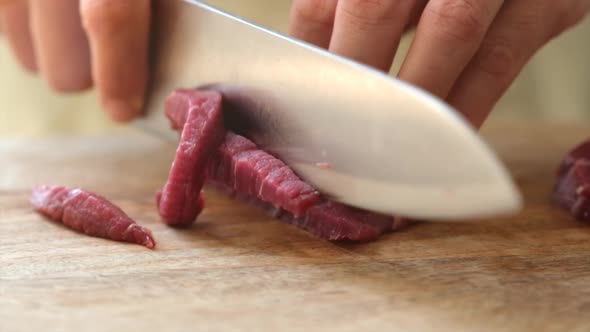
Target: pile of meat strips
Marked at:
209, 153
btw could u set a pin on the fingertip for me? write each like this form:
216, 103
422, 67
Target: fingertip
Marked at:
123, 111
118, 32
69, 84
62, 50
15, 26
29, 64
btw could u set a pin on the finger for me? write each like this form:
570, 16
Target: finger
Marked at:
416, 13
519, 31
4, 3
370, 31
313, 20
60, 43
448, 35
118, 32
14, 22
7, 2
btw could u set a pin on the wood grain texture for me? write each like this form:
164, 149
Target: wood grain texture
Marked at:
240, 270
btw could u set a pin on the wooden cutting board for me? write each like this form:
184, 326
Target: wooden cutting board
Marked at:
240, 270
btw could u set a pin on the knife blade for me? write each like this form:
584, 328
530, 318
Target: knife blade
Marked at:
358, 135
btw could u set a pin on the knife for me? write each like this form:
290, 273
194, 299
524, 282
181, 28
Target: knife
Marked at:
360, 136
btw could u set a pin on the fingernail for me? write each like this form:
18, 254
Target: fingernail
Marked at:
123, 110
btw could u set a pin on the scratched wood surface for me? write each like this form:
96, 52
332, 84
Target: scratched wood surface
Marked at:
240, 270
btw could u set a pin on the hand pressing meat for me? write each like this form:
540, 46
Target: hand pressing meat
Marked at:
90, 214
572, 187
467, 52
237, 166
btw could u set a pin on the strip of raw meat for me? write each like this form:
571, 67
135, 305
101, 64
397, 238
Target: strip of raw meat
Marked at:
90, 214
572, 188
177, 106
328, 220
257, 177
202, 133
334, 221
244, 171
582, 151
249, 171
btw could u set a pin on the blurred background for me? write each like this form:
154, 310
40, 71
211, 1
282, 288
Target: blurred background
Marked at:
554, 86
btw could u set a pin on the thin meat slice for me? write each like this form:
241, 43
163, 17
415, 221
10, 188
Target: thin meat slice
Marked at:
279, 191
248, 170
334, 221
220, 165
244, 170
90, 214
283, 186
177, 106
329, 220
202, 132
572, 188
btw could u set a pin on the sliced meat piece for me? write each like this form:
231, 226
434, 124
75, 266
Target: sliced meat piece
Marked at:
582, 151
329, 220
200, 201
244, 178
291, 193
572, 189
284, 195
221, 167
177, 107
263, 168
334, 221
202, 133
250, 171
250, 174
90, 214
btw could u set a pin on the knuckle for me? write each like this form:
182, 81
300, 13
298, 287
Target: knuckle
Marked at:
315, 11
497, 58
373, 12
106, 16
462, 20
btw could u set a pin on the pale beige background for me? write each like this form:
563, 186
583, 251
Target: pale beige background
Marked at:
555, 85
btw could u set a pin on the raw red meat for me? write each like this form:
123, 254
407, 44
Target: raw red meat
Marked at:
334, 221
580, 152
177, 107
89, 213
243, 170
572, 188
250, 171
202, 133
328, 220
